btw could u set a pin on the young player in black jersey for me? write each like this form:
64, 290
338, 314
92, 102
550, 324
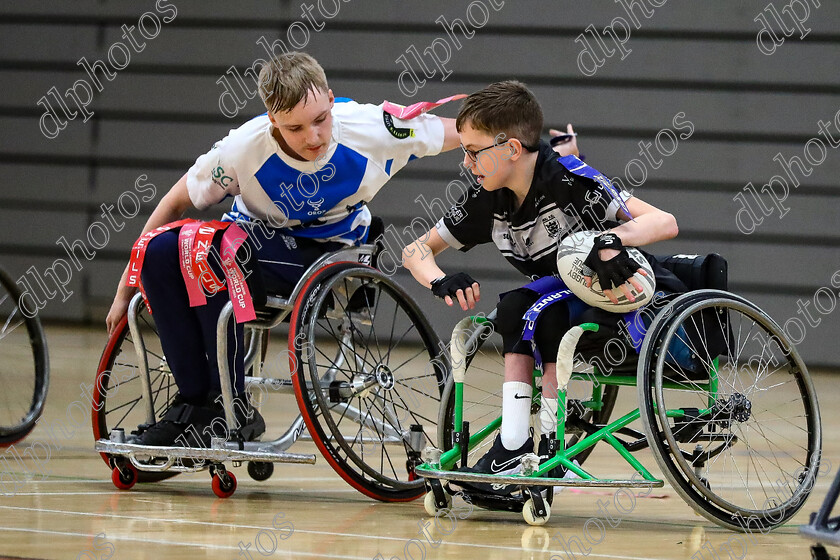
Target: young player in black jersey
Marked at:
527, 199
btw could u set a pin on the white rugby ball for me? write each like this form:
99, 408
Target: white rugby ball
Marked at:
573, 250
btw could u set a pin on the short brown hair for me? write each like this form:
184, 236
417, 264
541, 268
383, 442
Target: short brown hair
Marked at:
507, 108
288, 78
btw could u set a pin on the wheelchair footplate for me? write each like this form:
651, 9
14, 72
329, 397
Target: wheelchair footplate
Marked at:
533, 494
128, 460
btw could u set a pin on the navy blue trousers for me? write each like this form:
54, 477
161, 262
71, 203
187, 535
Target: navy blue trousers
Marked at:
188, 334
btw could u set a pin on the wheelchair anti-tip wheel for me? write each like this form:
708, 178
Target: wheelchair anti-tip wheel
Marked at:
24, 366
587, 404
118, 391
730, 410
361, 354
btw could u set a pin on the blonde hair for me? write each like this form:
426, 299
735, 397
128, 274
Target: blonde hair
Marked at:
288, 78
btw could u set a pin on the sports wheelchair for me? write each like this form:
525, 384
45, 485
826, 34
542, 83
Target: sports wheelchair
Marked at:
726, 403
362, 367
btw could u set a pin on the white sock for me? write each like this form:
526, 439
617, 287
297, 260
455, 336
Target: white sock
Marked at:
516, 414
548, 416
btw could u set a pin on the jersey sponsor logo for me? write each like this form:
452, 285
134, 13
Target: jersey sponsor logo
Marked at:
396, 132
219, 177
316, 205
365, 258
567, 179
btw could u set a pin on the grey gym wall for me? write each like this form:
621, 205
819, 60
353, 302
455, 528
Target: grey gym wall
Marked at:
701, 59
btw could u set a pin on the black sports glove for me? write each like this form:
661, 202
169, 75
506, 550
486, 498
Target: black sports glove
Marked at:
451, 283
616, 271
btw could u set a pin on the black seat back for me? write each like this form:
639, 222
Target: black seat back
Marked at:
698, 272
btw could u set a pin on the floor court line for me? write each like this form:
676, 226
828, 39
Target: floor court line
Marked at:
297, 530
117, 537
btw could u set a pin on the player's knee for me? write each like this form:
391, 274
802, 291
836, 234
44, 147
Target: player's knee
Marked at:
510, 310
551, 326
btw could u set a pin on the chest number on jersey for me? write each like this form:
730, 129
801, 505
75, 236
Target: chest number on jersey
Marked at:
396, 132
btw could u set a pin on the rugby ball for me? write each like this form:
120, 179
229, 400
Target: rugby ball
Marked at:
573, 250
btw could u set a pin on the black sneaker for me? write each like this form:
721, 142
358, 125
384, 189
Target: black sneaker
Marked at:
500, 461
249, 418
183, 425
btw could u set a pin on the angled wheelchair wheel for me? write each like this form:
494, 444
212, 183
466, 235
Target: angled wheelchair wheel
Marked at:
366, 378
483, 395
118, 391
24, 366
730, 410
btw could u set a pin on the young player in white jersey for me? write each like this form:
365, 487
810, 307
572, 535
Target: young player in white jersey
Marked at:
301, 176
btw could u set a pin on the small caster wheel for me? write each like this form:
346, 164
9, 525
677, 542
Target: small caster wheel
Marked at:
259, 470
531, 517
224, 484
430, 506
124, 477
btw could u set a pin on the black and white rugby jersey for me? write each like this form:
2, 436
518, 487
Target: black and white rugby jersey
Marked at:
559, 202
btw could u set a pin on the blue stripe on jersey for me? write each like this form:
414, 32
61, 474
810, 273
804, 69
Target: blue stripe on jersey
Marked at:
388, 166
342, 99
307, 196
581, 169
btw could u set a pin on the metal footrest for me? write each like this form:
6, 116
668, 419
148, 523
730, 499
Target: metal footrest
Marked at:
457, 476
228, 452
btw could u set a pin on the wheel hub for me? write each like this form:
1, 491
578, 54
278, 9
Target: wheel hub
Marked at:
384, 376
737, 407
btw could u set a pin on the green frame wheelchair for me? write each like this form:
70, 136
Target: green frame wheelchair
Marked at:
727, 408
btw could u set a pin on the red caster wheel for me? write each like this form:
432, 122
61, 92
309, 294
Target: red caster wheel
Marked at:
224, 484
126, 478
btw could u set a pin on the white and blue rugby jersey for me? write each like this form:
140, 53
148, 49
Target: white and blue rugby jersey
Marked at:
323, 200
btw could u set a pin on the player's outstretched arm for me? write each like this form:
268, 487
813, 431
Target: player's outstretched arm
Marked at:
451, 140
419, 258
170, 208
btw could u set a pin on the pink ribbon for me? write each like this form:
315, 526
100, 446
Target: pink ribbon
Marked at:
186, 237
194, 242
240, 295
417, 108
138, 255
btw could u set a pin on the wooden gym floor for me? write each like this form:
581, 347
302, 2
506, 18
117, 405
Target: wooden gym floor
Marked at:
75, 511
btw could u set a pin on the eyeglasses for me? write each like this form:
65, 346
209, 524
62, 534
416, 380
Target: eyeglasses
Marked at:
473, 154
